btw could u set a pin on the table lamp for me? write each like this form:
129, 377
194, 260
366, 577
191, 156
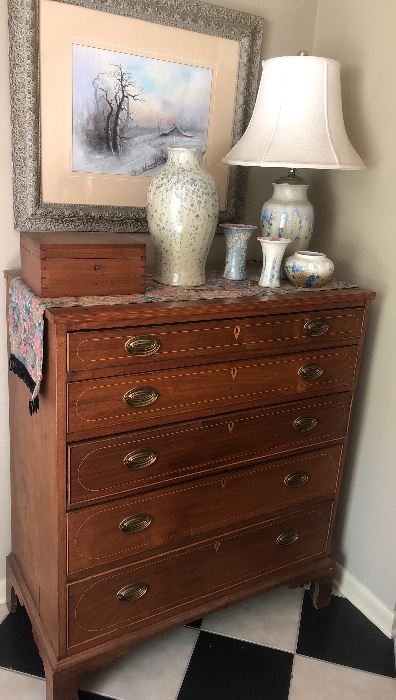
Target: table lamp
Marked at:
297, 122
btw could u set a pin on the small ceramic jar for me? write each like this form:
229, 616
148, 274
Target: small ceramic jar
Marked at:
307, 269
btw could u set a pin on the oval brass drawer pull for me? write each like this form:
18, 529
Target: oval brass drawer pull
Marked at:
135, 523
142, 345
318, 326
141, 396
310, 371
140, 458
287, 538
132, 592
305, 423
296, 479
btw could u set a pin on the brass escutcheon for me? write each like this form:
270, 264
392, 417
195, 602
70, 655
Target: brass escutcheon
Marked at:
318, 326
305, 423
142, 345
296, 479
135, 523
141, 396
237, 331
287, 538
230, 426
234, 373
140, 458
310, 371
132, 592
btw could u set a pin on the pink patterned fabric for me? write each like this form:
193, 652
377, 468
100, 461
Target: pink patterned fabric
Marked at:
26, 314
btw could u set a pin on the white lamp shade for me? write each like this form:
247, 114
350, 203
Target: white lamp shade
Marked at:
297, 120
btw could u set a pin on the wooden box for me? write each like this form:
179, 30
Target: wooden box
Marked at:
82, 264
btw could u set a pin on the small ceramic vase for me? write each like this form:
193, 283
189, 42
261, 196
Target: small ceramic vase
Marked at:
273, 252
182, 214
307, 269
288, 214
236, 241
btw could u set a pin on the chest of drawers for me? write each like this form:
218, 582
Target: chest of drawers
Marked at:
185, 455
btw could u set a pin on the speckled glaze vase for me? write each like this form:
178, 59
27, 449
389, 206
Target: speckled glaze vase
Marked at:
288, 214
308, 269
236, 240
182, 214
273, 252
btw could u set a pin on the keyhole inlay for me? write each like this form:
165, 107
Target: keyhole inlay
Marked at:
234, 373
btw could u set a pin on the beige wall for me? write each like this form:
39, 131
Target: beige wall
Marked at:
289, 26
356, 227
9, 246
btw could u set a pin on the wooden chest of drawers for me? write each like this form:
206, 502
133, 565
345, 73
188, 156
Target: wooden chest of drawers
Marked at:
185, 455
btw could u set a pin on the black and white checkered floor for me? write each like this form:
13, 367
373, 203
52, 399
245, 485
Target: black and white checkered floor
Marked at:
273, 647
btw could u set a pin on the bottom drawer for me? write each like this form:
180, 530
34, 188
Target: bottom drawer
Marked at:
133, 597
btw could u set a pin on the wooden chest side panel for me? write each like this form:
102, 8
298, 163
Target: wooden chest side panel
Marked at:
38, 491
31, 275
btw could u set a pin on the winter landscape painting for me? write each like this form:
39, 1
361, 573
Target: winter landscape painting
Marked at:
127, 110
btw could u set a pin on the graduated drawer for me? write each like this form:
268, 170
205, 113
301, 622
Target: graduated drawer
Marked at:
163, 518
175, 395
139, 595
151, 458
145, 347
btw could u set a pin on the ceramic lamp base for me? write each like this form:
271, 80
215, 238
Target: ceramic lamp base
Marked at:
289, 214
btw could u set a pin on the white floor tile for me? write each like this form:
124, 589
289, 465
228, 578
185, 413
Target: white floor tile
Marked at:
17, 686
314, 680
3, 612
153, 670
270, 619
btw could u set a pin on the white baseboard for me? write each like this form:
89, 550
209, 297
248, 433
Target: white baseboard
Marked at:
2, 591
364, 600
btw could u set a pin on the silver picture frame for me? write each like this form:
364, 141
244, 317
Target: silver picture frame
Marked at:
30, 212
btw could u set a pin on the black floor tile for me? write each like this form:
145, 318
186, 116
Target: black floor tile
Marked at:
196, 624
343, 635
18, 650
222, 668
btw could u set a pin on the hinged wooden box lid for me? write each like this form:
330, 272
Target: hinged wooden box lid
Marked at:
57, 264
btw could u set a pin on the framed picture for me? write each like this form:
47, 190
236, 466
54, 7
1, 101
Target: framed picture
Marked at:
101, 88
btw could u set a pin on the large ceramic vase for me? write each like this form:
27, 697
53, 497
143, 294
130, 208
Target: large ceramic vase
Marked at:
182, 214
288, 214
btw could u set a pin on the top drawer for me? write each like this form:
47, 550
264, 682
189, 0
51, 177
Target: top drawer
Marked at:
151, 347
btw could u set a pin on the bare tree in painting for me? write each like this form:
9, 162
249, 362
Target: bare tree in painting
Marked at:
115, 90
